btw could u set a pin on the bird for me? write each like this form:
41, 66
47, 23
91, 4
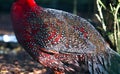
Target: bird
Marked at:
62, 41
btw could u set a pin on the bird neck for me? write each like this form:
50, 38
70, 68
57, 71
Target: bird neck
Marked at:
29, 3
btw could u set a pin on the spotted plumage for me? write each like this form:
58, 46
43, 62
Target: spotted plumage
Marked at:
60, 40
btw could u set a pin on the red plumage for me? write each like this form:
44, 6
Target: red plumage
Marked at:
60, 40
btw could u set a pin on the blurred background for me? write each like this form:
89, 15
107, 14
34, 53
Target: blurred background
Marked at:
103, 14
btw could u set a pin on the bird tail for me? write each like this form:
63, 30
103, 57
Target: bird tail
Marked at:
114, 63
105, 63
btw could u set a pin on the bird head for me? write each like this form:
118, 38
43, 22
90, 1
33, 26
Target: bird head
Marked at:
26, 2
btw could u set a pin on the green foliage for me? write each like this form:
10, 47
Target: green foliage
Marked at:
110, 10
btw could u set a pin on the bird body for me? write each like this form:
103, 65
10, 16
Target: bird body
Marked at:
62, 41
